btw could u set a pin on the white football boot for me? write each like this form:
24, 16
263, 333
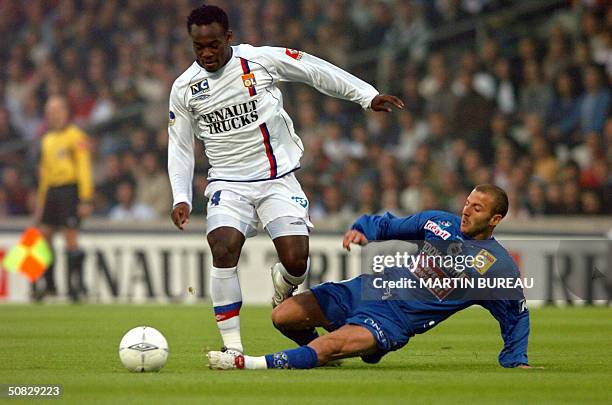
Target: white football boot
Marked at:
282, 288
227, 360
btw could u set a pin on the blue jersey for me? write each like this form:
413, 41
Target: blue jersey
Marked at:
424, 308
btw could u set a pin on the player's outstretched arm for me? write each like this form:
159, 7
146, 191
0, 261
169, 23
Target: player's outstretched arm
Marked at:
513, 318
388, 227
383, 102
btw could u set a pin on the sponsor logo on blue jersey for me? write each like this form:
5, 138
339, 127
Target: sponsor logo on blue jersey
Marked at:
381, 335
437, 230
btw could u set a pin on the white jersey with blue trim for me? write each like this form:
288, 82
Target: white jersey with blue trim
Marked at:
238, 113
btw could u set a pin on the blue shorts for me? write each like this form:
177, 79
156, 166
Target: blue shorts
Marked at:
342, 304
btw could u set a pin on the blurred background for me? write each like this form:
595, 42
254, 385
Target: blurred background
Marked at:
516, 93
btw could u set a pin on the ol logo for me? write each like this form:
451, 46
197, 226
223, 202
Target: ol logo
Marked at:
300, 200
248, 80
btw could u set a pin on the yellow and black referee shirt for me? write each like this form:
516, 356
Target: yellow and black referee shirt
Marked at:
65, 159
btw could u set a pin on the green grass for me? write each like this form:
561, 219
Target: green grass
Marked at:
456, 362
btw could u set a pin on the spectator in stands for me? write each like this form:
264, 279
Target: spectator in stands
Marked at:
535, 93
590, 203
505, 89
594, 104
554, 200
106, 192
572, 197
153, 186
557, 57
435, 86
471, 112
16, 192
545, 164
127, 208
536, 199
412, 133
368, 199
562, 113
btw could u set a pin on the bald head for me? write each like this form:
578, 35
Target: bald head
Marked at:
57, 112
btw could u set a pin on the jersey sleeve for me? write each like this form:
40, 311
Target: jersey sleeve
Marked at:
513, 318
181, 159
297, 66
82, 160
388, 227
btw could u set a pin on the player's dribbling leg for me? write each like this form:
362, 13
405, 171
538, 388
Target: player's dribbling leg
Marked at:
293, 267
226, 245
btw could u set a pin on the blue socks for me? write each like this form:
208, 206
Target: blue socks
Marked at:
303, 357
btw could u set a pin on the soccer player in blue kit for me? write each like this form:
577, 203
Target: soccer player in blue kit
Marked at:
370, 328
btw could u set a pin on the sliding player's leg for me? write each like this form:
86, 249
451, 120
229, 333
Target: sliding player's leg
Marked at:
366, 328
348, 341
297, 317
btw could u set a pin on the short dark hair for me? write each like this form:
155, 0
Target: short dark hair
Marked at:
498, 194
206, 15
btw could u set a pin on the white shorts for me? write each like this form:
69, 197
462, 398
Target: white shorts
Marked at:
280, 205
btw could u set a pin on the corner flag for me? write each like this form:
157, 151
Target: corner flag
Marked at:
30, 257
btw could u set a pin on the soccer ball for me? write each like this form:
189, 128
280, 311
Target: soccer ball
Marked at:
143, 349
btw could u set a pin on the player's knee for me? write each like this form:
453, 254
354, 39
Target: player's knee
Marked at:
225, 251
281, 317
296, 263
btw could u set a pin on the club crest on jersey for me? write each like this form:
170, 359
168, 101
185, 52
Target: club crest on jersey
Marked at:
484, 260
297, 55
171, 118
199, 87
248, 80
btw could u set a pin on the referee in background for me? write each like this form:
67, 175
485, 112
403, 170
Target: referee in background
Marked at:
65, 192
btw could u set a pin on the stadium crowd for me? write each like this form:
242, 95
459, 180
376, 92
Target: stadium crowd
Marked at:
527, 109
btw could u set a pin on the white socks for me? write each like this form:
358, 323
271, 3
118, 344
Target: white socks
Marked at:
255, 363
227, 300
293, 279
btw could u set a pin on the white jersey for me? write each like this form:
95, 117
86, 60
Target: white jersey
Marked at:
238, 113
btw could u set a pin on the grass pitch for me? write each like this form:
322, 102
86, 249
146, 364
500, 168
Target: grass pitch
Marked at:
454, 363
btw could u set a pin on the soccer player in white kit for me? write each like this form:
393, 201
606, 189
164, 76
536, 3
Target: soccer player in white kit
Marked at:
229, 99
